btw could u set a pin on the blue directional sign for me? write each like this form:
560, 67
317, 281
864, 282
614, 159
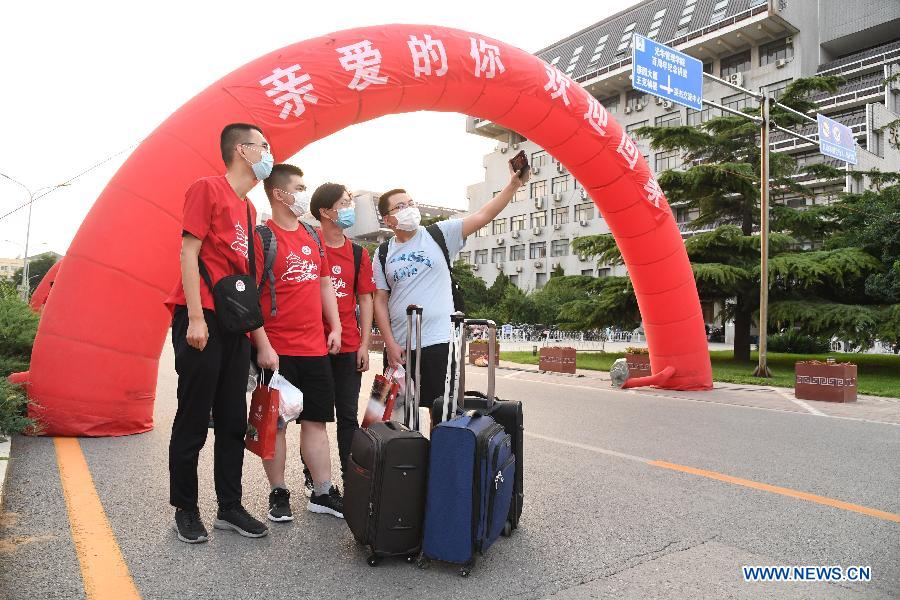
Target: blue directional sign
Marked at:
836, 140
666, 73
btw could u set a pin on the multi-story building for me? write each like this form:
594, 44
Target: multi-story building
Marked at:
756, 44
8, 267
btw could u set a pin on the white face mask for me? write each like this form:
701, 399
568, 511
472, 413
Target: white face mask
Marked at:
301, 202
409, 218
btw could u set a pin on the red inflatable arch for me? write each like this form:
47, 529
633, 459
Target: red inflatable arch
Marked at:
95, 360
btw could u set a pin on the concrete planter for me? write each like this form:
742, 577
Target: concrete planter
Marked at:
557, 360
480, 348
638, 365
828, 382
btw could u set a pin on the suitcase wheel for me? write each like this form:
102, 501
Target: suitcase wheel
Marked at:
374, 560
423, 562
466, 570
411, 558
507, 529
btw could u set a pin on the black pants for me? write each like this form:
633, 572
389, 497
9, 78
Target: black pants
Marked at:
433, 374
347, 381
214, 378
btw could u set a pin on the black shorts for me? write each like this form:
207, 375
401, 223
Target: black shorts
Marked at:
312, 376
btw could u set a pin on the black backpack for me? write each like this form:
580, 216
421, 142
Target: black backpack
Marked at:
270, 249
438, 236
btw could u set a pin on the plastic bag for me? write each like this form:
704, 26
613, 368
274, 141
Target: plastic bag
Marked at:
291, 398
619, 372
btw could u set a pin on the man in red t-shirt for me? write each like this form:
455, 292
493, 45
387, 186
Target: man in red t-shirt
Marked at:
303, 297
212, 363
351, 274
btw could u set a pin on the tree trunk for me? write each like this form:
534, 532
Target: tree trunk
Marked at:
742, 322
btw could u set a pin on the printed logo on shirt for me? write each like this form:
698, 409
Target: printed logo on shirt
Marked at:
306, 250
299, 269
339, 286
239, 244
336, 269
405, 272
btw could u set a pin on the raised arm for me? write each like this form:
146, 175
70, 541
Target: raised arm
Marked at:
492, 208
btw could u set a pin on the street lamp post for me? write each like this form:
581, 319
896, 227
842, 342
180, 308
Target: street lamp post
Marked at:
26, 282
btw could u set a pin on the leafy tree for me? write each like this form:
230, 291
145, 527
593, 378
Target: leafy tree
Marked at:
37, 268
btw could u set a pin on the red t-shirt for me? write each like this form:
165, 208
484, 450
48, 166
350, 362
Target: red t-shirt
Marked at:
214, 214
297, 328
342, 273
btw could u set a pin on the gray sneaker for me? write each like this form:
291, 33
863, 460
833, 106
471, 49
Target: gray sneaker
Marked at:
238, 519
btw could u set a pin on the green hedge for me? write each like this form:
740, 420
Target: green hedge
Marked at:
18, 326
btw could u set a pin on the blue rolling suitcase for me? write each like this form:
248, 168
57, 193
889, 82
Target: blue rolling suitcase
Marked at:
471, 476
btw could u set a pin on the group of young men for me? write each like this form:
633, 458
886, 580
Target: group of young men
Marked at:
317, 304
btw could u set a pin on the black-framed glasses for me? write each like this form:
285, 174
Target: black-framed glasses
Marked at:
263, 146
402, 205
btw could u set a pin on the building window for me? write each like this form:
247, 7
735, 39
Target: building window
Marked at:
656, 23
603, 272
781, 49
684, 23
576, 54
775, 90
464, 257
587, 272
667, 160
498, 255
611, 104
708, 67
560, 216
584, 211
517, 252
560, 184
719, 10
736, 63
739, 101
539, 189
539, 159
483, 232
633, 98
537, 250
481, 257
625, 42
514, 279
669, 120
517, 223
498, 226
559, 248
598, 49
521, 194
540, 280
640, 142
539, 219
681, 214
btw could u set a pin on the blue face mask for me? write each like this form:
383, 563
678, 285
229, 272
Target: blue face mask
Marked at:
263, 168
346, 218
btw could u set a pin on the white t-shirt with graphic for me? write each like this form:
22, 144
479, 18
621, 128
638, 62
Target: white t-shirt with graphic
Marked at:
418, 274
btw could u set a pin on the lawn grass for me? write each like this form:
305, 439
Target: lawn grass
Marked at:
878, 374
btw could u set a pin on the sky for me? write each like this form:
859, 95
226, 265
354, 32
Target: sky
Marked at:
83, 82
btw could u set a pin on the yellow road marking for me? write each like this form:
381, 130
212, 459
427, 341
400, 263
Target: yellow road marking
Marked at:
756, 485
103, 570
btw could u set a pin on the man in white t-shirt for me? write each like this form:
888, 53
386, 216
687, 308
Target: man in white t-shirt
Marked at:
412, 268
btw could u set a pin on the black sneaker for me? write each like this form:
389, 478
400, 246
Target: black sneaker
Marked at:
238, 519
308, 481
327, 504
189, 526
280, 506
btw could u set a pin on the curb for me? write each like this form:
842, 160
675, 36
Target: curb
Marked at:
5, 450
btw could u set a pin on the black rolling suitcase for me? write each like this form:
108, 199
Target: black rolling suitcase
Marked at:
384, 487
506, 413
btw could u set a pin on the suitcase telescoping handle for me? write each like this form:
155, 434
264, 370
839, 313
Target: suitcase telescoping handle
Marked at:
412, 412
459, 320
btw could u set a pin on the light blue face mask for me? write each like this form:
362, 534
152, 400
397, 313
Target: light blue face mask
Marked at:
263, 168
346, 218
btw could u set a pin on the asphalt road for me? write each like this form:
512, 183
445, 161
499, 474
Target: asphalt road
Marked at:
602, 519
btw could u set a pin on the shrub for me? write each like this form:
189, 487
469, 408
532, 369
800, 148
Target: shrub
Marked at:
13, 408
794, 342
18, 326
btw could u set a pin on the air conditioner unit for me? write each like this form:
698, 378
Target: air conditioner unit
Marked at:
560, 168
556, 265
627, 110
557, 227
736, 79
499, 266
538, 264
500, 241
516, 146
583, 223
518, 269
667, 104
539, 202
504, 150
536, 170
515, 234
639, 106
781, 62
789, 39
475, 267
584, 194
557, 197
659, 100
536, 231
